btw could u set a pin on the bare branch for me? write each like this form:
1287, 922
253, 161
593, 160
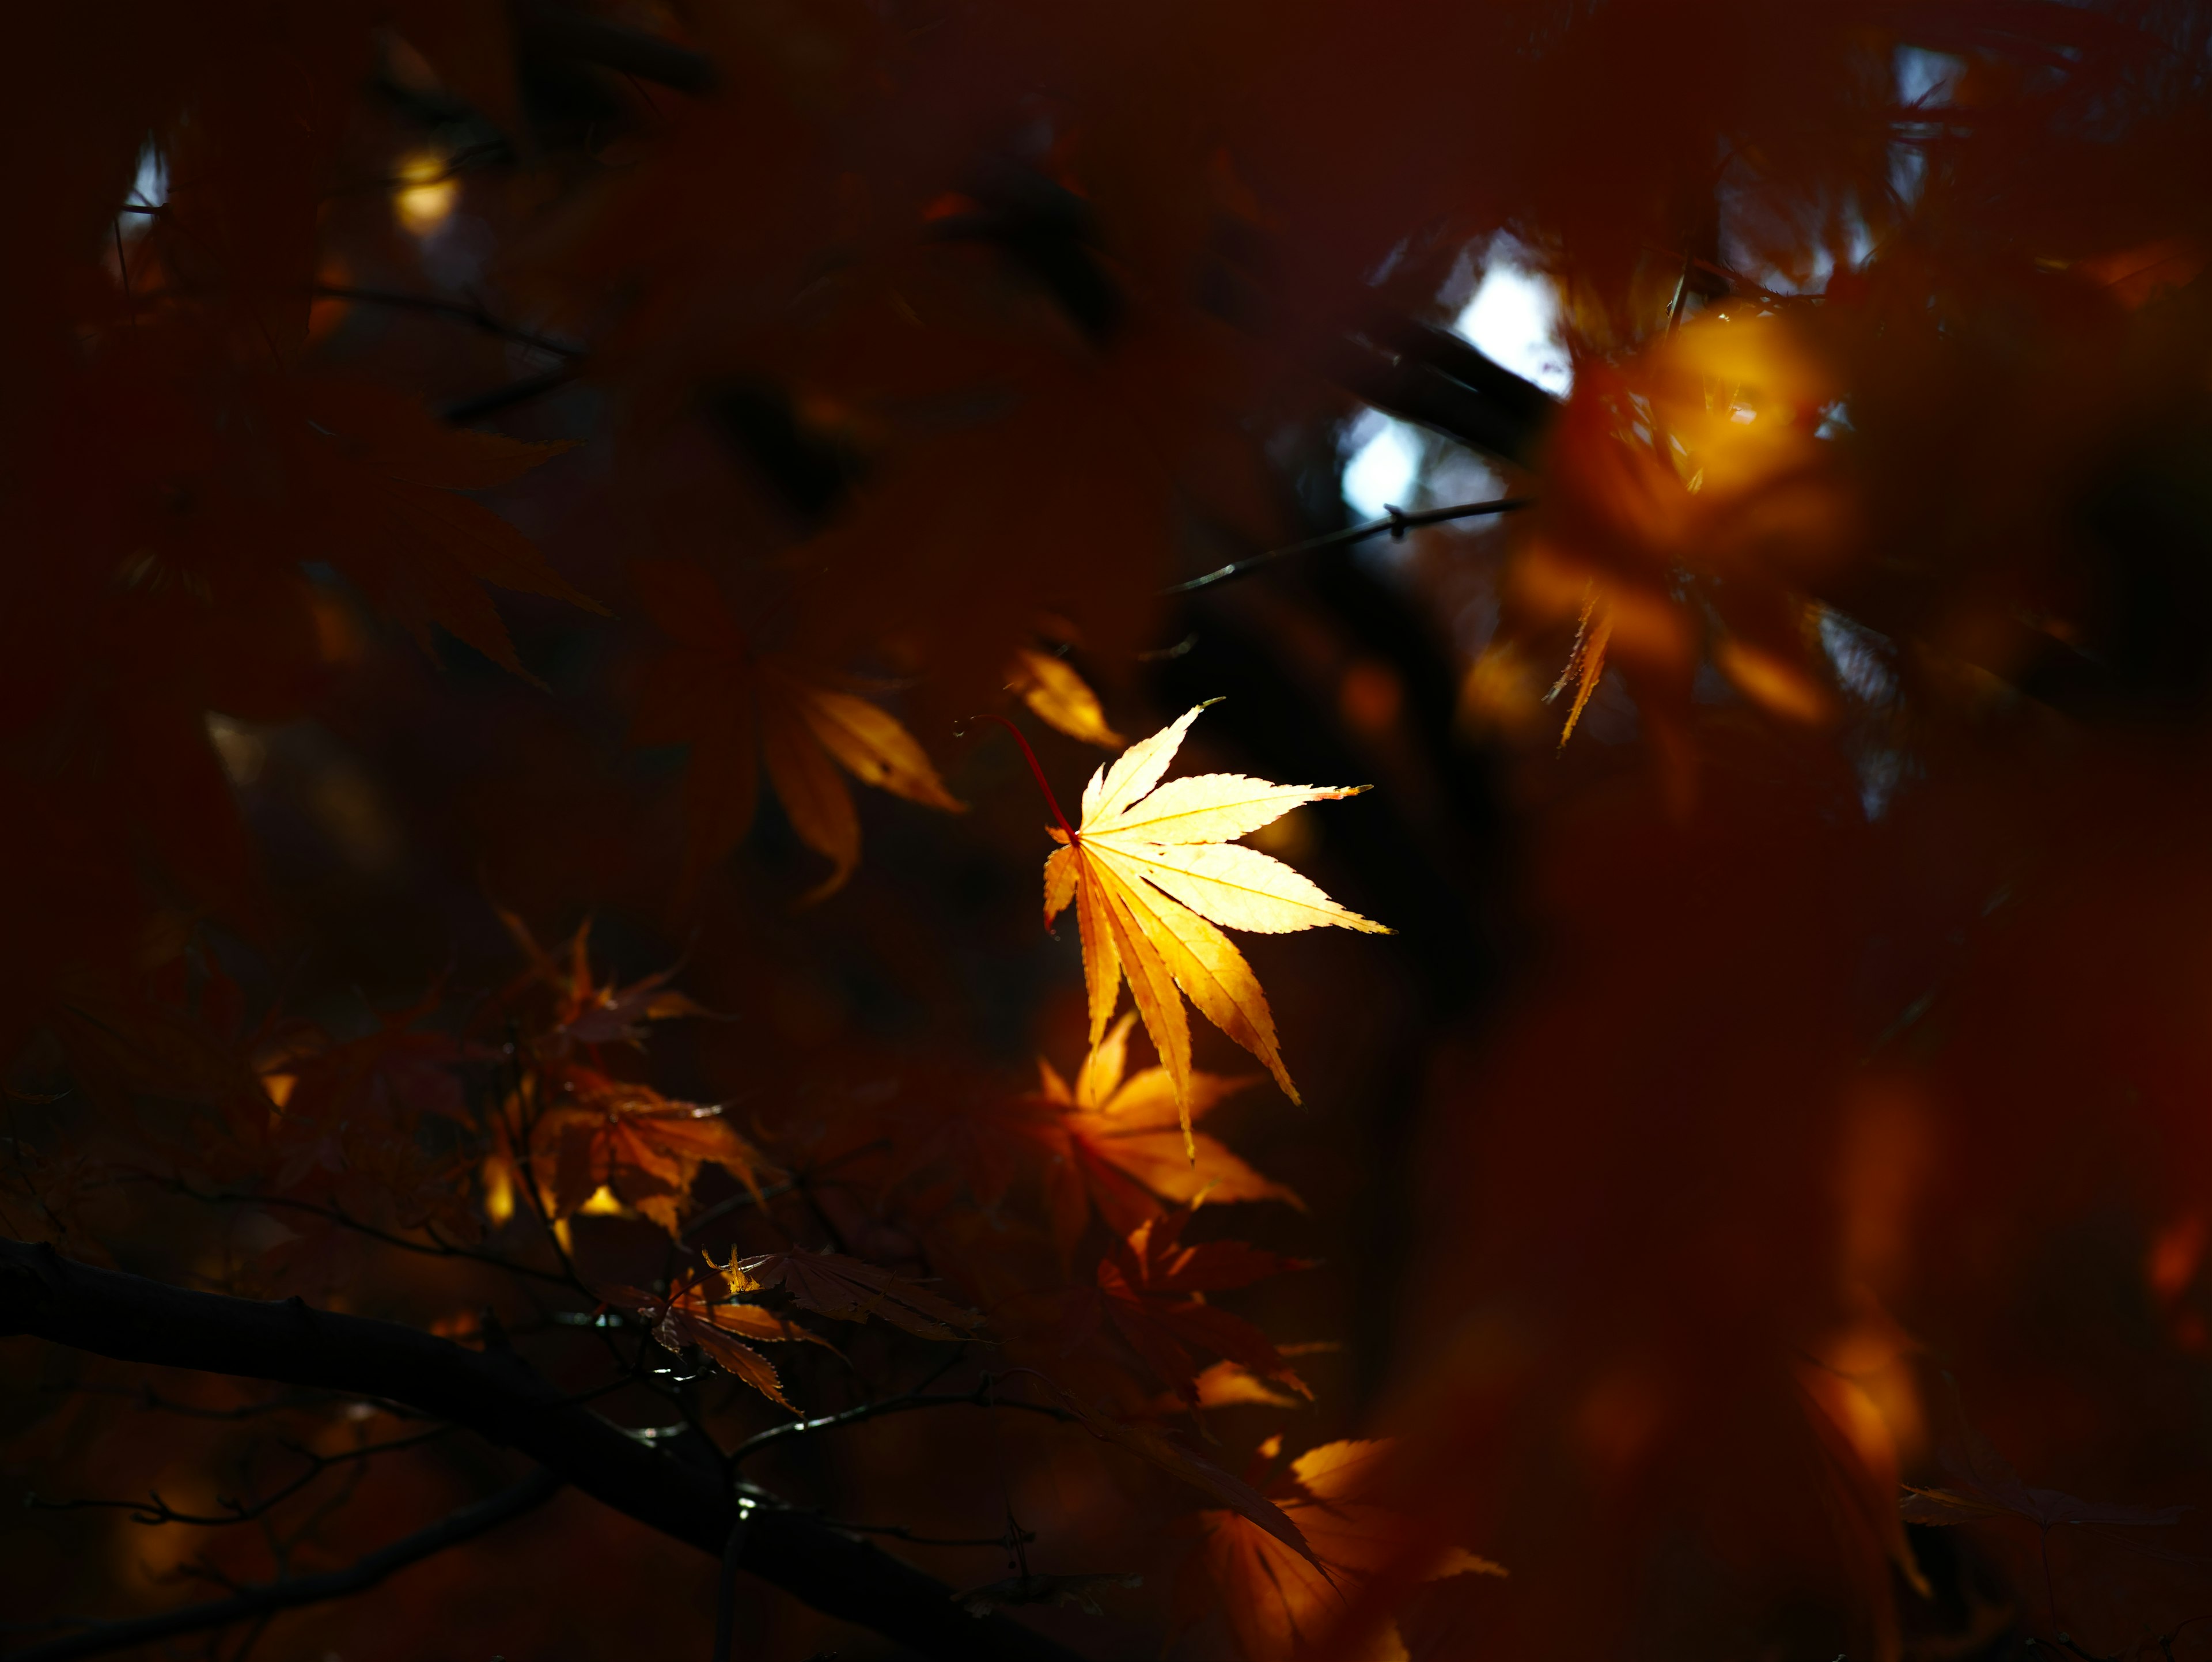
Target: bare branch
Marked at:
471, 312
150, 1401
496, 1394
464, 411
979, 1398
565, 31
1397, 522
436, 1248
901, 1533
153, 1510
255, 1604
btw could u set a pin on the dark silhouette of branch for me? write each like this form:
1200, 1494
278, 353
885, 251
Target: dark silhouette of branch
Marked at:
496, 1394
255, 1604
1397, 523
1431, 375
562, 31
725, 1598
150, 1401
979, 1398
464, 411
437, 1247
743, 1198
471, 312
153, 1510
901, 1533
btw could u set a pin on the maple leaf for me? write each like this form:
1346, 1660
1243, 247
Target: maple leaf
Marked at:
1280, 1603
643, 1145
588, 1013
1151, 871
739, 712
1228, 1384
1152, 1288
831, 1284
397, 526
686, 1316
349, 1115
1118, 1144
1060, 697
1154, 1447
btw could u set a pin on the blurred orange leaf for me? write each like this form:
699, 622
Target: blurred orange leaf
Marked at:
1060, 697
1279, 1603
1152, 1288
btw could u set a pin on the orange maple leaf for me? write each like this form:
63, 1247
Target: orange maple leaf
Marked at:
1156, 1447
1060, 697
1152, 1288
1280, 1605
687, 1316
739, 711
644, 1147
1116, 1143
587, 1012
1152, 872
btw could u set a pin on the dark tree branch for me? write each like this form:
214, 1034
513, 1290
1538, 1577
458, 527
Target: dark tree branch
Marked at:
470, 312
495, 1393
1397, 522
464, 411
563, 31
979, 1398
257, 1604
150, 1401
153, 1510
438, 1247
913, 1538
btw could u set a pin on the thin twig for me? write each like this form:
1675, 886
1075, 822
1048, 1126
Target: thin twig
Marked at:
746, 1197
255, 1603
150, 1401
471, 312
153, 1510
979, 1398
901, 1533
443, 1249
131, 1319
1396, 524
726, 1592
464, 411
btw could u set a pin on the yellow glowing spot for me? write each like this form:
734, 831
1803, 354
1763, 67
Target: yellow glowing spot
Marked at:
279, 1087
427, 192
498, 1177
601, 1204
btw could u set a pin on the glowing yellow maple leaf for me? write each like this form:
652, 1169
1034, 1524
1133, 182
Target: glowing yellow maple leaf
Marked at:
1152, 872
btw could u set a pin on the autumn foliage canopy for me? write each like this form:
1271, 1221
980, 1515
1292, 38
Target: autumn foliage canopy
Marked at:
1592, 621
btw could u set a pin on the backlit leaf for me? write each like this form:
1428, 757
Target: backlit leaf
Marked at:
1151, 875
